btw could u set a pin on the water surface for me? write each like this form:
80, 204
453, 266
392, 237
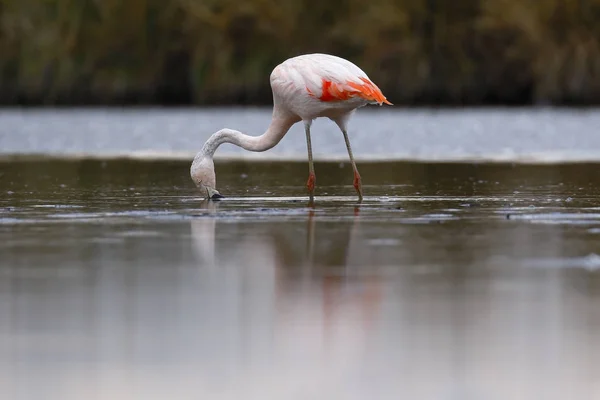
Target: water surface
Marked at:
450, 281
376, 133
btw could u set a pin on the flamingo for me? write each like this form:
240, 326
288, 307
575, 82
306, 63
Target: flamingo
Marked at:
304, 88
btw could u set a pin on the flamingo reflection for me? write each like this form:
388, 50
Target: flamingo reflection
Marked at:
323, 301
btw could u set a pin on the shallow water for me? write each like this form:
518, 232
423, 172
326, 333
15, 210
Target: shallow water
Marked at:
461, 281
390, 133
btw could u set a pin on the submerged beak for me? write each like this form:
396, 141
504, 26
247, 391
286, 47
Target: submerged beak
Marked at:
213, 194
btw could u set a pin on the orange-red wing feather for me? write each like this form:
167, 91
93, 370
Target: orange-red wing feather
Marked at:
332, 91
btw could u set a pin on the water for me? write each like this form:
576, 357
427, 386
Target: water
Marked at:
450, 281
375, 133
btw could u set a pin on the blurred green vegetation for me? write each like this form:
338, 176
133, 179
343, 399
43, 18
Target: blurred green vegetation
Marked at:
222, 51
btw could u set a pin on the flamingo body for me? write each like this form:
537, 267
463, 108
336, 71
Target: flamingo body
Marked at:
321, 85
304, 88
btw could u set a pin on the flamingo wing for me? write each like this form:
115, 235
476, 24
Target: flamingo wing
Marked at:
329, 79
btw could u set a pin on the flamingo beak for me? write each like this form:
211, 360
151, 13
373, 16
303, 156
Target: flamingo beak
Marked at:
213, 194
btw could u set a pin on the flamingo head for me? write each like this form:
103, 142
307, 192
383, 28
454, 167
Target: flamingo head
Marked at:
203, 175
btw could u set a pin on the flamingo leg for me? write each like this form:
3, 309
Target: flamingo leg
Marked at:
357, 180
310, 184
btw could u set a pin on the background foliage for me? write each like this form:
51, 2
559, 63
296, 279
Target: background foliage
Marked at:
222, 51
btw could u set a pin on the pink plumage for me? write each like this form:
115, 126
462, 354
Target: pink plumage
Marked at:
304, 88
313, 85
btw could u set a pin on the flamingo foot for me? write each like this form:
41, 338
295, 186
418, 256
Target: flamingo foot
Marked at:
310, 185
358, 185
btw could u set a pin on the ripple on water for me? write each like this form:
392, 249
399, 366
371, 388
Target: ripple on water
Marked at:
591, 262
139, 233
9, 221
559, 218
384, 242
56, 206
76, 215
440, 216
129, 213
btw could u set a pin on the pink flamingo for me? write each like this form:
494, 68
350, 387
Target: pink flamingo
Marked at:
304, 88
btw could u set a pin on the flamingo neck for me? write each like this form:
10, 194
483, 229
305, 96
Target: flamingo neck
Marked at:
275, 132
